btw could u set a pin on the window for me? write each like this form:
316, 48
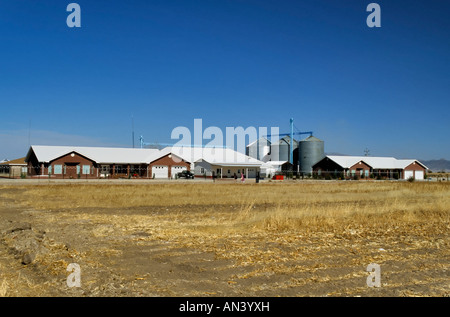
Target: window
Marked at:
50, 170
58, 169
202, 170
105, 169
86, 169
135, 169
121, 169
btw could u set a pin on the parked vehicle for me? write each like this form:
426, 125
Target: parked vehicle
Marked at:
186, 174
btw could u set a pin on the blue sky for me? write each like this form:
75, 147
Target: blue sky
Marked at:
231, 63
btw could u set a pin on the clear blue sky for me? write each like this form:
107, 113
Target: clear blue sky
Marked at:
231, 63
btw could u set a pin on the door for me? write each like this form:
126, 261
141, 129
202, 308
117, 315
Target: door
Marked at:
251, 173
409, 174
160, 171
174, 170
419, 175
72, 170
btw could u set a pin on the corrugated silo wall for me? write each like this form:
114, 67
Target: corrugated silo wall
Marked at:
252, 151
310, 152
280, 152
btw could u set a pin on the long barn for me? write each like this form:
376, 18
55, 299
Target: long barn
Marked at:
368, 166
103, 162
100, 162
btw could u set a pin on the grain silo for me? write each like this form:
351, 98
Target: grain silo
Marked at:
280, 150
311, 150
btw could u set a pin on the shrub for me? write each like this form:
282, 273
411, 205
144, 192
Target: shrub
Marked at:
411, 179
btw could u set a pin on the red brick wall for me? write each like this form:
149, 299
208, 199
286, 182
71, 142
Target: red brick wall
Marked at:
33, 165
71, 162
360, 165
168, 161
37, 169
414, 167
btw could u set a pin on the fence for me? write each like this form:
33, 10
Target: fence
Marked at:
151, 172
130, 171
343, 175
88, 172
79, 171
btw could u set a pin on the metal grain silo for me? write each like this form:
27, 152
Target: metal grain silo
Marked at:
311, 150
258, 149
280, 151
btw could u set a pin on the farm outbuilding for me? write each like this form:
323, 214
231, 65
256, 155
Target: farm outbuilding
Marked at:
97, 162
217, 162
102, 162
167, 166
368, 166
207, 169
13, 169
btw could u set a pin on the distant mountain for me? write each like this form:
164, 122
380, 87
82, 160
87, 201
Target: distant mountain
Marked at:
437, 165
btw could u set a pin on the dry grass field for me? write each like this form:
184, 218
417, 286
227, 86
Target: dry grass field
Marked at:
225, 239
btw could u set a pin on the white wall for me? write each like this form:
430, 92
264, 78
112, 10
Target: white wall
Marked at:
234, 169
198, 166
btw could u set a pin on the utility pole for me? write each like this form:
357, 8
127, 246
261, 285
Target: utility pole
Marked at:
291, 154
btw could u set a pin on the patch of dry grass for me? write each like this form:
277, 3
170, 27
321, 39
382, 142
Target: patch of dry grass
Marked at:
3, 288
260, 206
296, 228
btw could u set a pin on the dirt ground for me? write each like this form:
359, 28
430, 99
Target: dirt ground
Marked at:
122, 253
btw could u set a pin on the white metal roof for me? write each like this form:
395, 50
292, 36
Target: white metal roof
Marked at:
46, 154
405, 163
372, 161
234, 164
274, 163
217, 156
